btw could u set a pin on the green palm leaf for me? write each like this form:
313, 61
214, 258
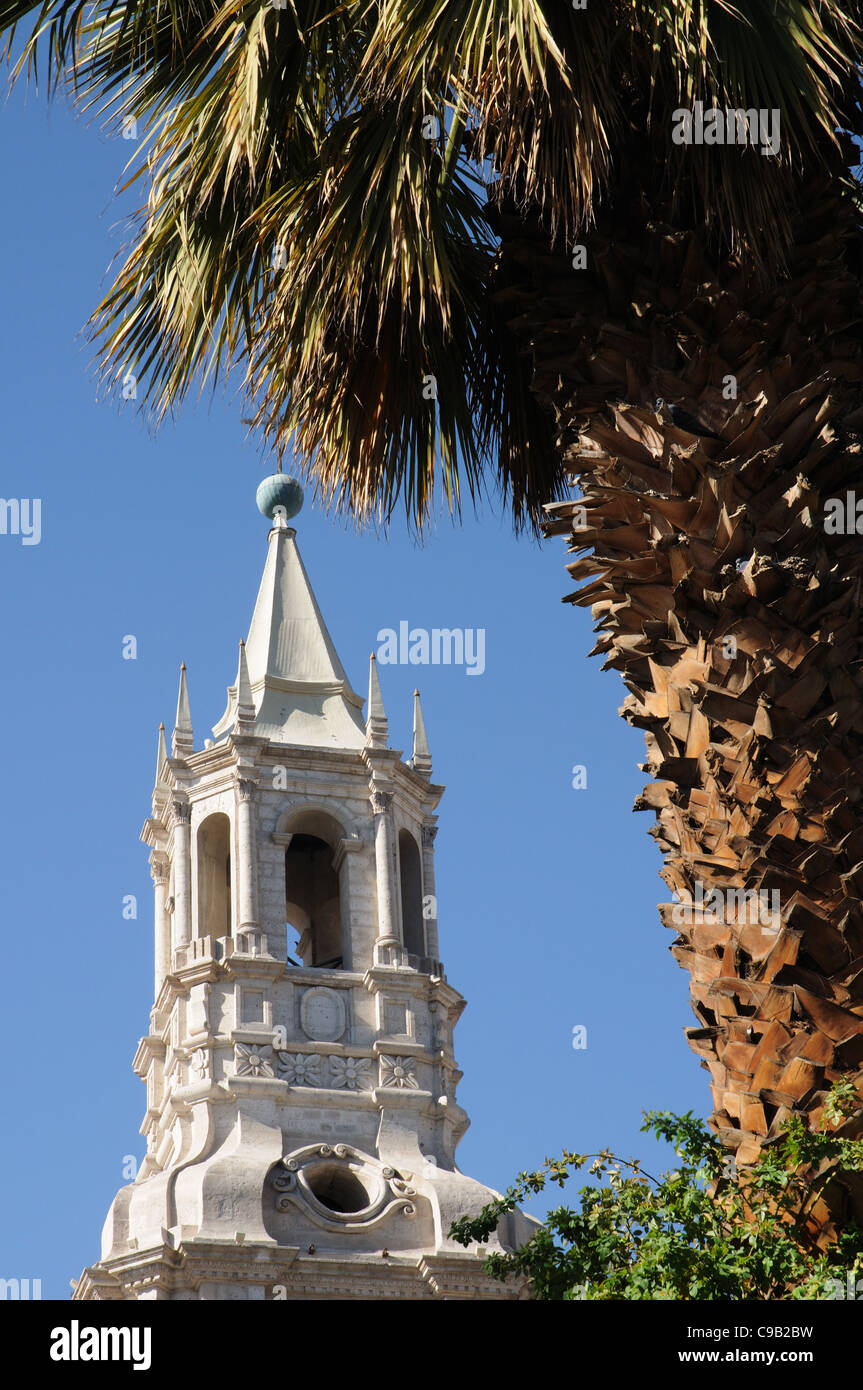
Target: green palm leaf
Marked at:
302, 230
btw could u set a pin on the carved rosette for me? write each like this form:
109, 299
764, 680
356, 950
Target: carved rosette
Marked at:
399, 1072
351, 1073
299, 1069
253, 1060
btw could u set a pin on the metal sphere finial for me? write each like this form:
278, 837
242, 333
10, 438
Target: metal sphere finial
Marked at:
279, 492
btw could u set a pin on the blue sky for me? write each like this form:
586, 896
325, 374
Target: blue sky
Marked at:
546, 894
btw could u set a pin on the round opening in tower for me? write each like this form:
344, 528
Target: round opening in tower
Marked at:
337, 1187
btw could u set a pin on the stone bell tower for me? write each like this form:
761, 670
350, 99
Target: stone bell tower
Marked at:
301, 1117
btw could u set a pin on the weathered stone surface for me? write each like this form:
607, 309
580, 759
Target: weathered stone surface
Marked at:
301, 1116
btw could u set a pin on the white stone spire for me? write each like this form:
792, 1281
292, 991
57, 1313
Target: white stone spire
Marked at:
421, 757
298, 685
161, 758
245, 704
182, 739
377, 724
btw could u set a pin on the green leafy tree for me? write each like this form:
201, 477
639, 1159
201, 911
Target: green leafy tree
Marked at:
699, 1231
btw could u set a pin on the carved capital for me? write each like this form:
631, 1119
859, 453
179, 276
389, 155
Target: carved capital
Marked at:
428, 834
181, 812
160, 869
381, 802
245, 788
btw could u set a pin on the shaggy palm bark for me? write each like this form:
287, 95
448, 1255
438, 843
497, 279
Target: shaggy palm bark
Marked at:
755, 744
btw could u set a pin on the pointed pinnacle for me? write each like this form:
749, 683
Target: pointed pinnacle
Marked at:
161, 757
377, 725
182, 739
245, 703
421, 759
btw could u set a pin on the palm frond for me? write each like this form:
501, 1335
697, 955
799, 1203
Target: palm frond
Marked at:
302, 230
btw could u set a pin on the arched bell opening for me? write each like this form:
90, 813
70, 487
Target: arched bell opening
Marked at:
411, 881
214, 876
312, 902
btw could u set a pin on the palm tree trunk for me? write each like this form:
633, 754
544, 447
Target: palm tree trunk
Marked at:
733, 616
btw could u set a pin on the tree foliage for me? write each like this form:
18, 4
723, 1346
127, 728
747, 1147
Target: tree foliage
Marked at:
698, 1231
316, 179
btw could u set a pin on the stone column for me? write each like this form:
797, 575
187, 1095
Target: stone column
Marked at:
159, 875
182, 814
430, 922
388, 945
351, 948
247, 868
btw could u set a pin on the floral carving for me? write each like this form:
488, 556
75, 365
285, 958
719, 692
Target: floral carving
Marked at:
300, 1069
398, 1071
253, 1061
199, 1063
350, 1073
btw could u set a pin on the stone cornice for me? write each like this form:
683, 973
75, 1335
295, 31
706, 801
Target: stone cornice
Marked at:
154, 833
246, 967
443, 993
404, 980
198, 973
415, 789
170, 989
403, 1097
312, 975
305, 758
148, 1048
381, 760
405, 1047
382, 1278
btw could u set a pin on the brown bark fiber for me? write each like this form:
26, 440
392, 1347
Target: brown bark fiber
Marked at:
757, 758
